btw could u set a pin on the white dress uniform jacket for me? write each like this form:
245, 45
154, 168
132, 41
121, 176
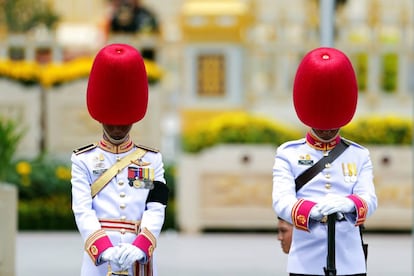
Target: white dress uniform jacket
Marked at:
351, 174
120, 212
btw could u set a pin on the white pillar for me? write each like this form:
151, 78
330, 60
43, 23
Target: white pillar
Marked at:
374, 65
8, 230
403, 69
327, 14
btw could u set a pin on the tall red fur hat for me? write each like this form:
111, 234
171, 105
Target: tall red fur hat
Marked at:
325, 91
117, 92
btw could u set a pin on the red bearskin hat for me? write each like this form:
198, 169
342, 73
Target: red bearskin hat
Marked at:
325, 91
117, 92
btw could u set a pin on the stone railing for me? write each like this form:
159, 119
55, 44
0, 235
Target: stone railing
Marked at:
22, 104
226, 187
230, 187
393, 178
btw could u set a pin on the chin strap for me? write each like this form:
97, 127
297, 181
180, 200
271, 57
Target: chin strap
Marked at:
115, 141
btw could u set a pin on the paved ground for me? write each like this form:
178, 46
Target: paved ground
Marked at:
57, 253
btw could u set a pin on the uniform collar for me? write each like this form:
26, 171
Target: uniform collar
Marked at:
315, 143
121, 148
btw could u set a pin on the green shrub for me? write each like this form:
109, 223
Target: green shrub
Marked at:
10, 137
40, 177
380, 130
238, 127
51, 213
44, 190
361, 69
388, 70
389, 74
247, 129
170, 176
170, 216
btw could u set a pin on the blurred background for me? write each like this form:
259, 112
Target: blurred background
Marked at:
220, 75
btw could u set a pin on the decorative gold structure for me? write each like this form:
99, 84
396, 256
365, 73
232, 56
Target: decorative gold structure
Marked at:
216, 20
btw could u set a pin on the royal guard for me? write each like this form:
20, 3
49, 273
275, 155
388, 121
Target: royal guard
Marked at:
323, 173
119, 193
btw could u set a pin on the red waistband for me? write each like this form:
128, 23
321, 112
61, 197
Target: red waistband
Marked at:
131, 226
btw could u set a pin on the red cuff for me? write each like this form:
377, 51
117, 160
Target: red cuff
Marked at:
360, 207
97, 243
146, 242
300, 214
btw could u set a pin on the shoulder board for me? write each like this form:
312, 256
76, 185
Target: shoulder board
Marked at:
349, 142
85, 148
293, 143
147, 148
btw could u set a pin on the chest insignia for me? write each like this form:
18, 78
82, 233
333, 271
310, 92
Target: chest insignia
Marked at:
98, 171
140, 163
305, 160
99, 166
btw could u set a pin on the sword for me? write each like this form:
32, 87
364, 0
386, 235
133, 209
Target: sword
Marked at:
330, 269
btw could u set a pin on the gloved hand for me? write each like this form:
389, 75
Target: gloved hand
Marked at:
334, 203
109, 254
128, 254
315, 213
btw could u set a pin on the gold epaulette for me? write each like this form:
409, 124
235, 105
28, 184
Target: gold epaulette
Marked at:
147, 148
85, 148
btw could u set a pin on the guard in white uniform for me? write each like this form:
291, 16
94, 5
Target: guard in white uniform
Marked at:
118, 188
325, 97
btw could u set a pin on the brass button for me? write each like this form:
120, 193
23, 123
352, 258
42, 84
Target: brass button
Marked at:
120, 183
328, 176
118, 158
122, 231
122, 194
328, 186
122, 206
327, 165
94, 250
123, 218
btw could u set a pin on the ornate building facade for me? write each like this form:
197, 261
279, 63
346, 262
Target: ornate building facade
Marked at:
221, 55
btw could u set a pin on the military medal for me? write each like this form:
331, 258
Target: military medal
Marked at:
141, 177
352, 171
345, 173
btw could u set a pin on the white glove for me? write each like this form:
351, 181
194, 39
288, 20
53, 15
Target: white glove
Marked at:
333, 204
109, 254
315, 213
128, 254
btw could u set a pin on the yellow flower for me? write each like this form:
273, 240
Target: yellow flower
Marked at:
63, 173
23, 168
55, 73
